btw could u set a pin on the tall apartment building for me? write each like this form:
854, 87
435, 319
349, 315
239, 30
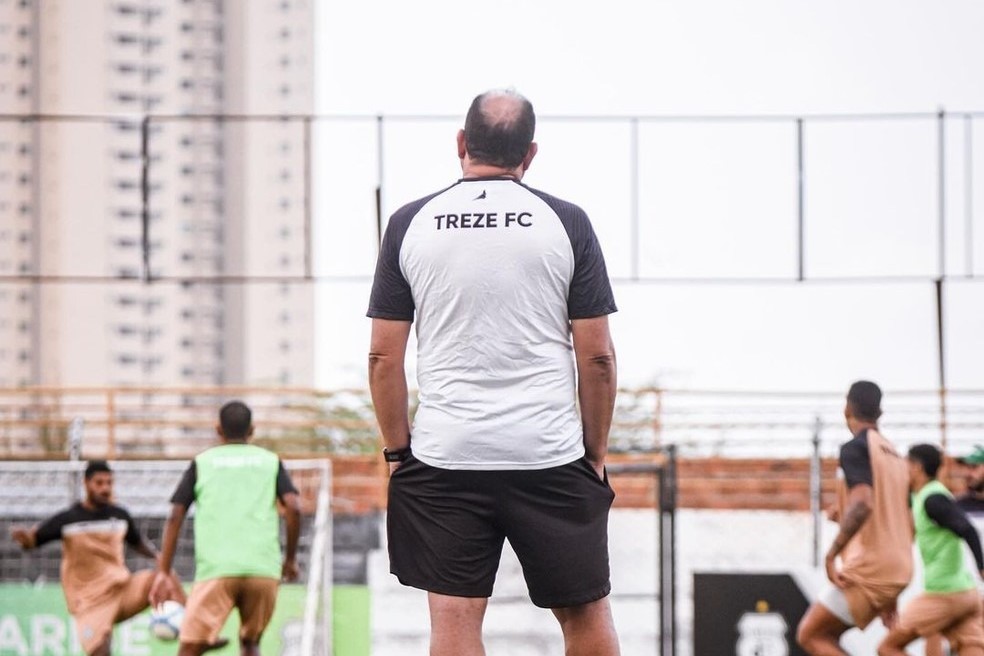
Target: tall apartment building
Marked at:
227, 197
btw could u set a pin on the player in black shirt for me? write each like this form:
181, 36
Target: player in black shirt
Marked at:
99, 589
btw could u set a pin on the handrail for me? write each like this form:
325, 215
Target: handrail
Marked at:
178, 421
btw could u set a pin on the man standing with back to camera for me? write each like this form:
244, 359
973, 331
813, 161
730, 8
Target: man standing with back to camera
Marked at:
506, 283
874, 542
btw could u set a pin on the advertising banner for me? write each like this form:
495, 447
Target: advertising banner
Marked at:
35, 622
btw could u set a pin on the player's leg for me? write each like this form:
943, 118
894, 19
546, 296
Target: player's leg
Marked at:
456, 625
895, 642
196, 649
925, 615
966, 635
133, 599
820, 630
588, 629
102, 649
94, 624
206, 612
556, 520
256, 598
134, 594
934, 645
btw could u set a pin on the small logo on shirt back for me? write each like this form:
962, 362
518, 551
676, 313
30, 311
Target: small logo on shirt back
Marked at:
481, 196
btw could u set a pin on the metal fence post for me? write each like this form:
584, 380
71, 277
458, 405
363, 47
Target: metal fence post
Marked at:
145, 196
379, 179
800, 211
969, 194
111, 422
941, 358
634, 191
75, 429
667, 535
816, 489
308, 267
941, 188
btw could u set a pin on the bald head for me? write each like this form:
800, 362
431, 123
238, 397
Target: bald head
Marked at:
499, 128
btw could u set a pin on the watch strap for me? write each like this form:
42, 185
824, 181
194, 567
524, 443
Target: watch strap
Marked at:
396, 455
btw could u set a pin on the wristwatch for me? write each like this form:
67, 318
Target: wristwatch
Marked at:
396, 455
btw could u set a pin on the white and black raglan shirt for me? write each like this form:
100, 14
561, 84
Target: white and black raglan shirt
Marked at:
493, 271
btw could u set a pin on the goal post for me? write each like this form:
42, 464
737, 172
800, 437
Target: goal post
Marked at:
318, 608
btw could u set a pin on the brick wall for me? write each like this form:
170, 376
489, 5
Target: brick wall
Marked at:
358, 483
721, 483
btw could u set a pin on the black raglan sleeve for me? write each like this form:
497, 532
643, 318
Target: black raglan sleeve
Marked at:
391, 297
855, 461
50, 529
942, 510
184, 494
133, 537
284, 484
590, 292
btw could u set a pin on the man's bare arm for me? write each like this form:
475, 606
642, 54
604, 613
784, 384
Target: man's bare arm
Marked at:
388, 380
161, 589
855, 515
597, 383
292, 517
169, 543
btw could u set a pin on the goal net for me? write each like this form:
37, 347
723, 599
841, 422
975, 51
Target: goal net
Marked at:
31, 491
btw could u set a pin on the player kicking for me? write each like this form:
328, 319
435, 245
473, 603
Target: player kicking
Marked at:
875, 538
99, 589
950, 604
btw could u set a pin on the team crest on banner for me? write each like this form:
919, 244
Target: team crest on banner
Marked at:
762, 633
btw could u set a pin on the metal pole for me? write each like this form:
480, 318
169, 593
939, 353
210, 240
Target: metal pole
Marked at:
658, 419
308, 273
672, 546
799, 199
816, 490
379, 179
667, 513
941, 350
37, 195
111, 422
660, 558
941, 187
940, 329
145, 196
664, 493
75, 429
320, 561
328, 582
969, 192
634, 191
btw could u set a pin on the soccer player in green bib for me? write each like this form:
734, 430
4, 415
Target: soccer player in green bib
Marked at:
235, 487
950, 604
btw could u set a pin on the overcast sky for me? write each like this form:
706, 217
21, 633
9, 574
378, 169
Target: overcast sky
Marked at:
715, 199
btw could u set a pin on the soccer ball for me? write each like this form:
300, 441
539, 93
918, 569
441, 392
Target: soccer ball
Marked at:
165, 620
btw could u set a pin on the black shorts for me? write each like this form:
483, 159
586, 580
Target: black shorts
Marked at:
446, 529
